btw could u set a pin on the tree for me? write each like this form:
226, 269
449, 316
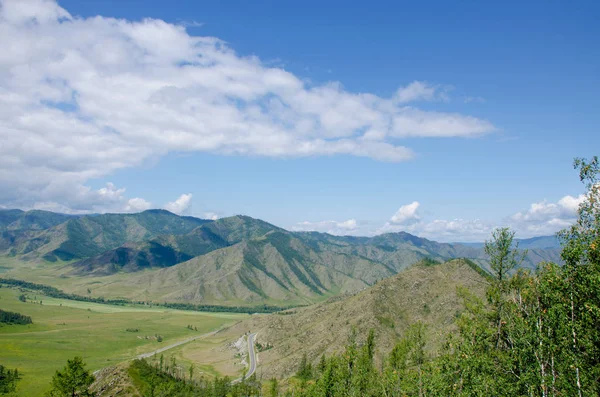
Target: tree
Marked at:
191, 372
504, 258
73, 381
581, 254
8, 380
305, 369
322, 364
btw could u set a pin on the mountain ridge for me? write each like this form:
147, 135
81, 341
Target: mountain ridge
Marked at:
158, 256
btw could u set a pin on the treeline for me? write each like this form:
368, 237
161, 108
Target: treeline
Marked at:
537, 333
218, 308
168, 381
7, 317
56, 293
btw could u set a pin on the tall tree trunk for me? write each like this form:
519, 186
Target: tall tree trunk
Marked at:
579, 393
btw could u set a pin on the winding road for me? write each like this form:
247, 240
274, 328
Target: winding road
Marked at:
252, 358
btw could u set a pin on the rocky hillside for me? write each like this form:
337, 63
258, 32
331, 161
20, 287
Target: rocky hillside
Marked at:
421, 293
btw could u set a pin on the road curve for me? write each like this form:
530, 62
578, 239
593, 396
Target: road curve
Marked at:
251, 357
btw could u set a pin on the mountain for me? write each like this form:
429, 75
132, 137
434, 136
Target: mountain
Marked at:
398, 250
158, 252
90, 235
168, 250
277, 268
543, 242
159, 256
424, 293
14, 220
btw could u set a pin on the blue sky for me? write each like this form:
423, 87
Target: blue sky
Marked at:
499, 97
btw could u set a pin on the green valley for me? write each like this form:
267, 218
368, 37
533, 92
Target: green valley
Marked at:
104, 335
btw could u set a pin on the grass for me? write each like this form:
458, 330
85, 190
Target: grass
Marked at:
208, 356
63, 329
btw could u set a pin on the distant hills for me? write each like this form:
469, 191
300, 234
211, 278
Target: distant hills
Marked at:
543, 242
161, 256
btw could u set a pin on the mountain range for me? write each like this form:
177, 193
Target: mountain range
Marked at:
158, 256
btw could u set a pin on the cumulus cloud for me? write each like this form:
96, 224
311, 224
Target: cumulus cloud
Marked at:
542, 218
546, 217
180, 206
83, 97
407, 219
332, 227
406, 214
137, 205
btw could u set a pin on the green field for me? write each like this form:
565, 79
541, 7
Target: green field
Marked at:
63, 329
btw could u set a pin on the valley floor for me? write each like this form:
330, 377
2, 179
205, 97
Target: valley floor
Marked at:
105, 335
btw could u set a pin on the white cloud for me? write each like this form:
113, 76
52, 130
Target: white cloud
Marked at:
546, 217
407, 214
137, 205
541, 219
83, 200
181, 205
83, 97
211, 215
332, 227
442, 230
454, 230
421, 91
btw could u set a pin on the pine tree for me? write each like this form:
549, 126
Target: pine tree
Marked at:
74, 380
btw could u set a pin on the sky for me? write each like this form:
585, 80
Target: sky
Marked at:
442, 119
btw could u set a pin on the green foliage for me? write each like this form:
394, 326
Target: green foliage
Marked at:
73, 380
502, 255
273, 388
154, 381
427, 262
8, 379
305, 370
7, 317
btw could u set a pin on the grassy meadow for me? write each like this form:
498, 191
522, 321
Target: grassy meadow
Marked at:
63, 329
